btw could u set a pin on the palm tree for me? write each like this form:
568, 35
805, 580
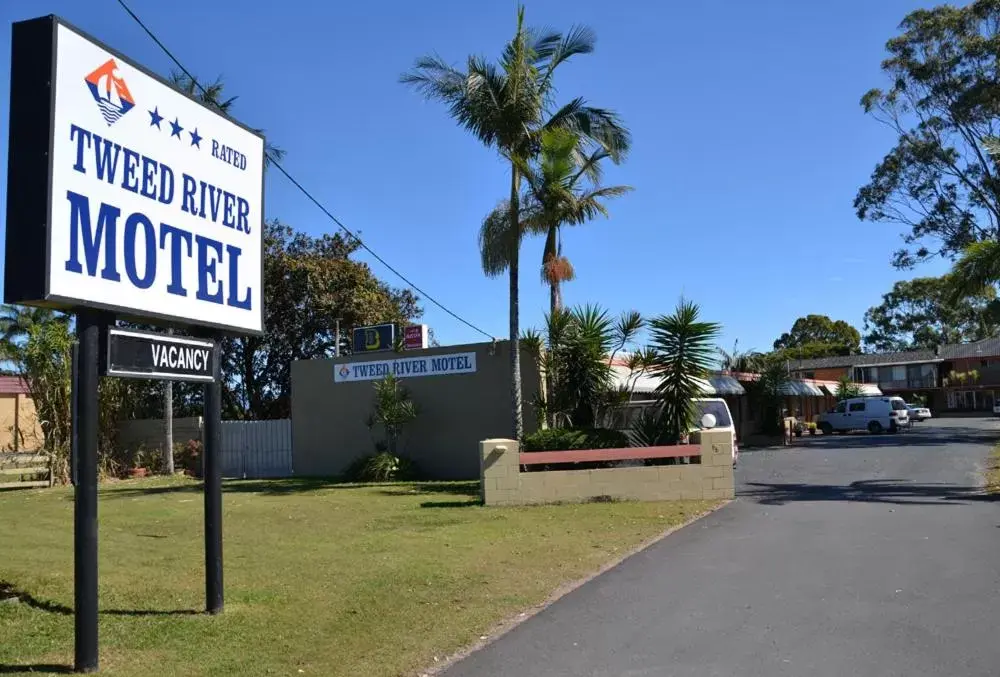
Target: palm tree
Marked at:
684, 346
555, 197
16, 322
212, 95
507, 105
742, 361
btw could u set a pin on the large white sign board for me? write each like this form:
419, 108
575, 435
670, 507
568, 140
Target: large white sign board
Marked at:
405, 367
155, 202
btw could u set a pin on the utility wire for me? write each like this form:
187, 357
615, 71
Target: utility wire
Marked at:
274, 162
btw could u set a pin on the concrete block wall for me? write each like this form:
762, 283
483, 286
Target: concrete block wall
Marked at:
150, 433
503, 483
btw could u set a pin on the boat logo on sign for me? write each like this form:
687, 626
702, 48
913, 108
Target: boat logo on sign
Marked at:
110, 92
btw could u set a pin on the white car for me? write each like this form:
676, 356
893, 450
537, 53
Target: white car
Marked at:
918, 413
874, 414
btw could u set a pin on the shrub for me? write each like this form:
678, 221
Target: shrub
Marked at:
381, 467
566, 439
187, 457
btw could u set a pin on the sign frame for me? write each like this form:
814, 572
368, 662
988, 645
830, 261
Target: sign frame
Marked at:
375, 369
108, 369
384, 346
27, 275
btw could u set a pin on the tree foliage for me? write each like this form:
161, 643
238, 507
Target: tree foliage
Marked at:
309, 283
939, 181
818, 336
924, 312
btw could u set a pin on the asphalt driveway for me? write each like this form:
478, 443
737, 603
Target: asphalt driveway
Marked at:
848, 555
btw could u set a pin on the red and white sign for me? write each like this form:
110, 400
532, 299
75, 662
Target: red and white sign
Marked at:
415, 337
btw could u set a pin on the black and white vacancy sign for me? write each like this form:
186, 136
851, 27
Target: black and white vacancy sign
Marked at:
124, 194
136, 354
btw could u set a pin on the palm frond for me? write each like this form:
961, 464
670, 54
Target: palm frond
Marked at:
599, 125
494, 241
578, 40
977, 269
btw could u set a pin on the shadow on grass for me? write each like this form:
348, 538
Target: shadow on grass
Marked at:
8, 591
894, 491
300, 485
35, 669
151, 612
471, 503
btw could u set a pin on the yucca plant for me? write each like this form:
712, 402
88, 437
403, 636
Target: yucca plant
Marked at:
393, 410
684, 348
846, 388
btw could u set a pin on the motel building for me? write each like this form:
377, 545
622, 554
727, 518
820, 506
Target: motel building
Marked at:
955, 377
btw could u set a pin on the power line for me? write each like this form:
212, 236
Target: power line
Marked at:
274, 162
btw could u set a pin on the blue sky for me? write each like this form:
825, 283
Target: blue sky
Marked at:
749, 144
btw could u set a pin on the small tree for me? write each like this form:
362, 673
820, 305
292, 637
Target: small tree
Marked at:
684, 349
393, 410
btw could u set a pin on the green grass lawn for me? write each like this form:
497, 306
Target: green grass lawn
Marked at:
320, 579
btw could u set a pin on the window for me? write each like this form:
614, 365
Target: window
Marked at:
857, 406
841, 407
812, 374
717, 409
984, 363
898, 405
899, 373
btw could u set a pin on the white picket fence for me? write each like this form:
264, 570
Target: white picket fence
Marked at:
257, 449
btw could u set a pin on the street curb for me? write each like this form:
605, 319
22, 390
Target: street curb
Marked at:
509, 624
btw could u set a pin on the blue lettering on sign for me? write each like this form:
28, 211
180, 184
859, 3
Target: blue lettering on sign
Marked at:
95, 248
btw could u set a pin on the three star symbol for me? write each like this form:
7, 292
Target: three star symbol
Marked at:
175, 127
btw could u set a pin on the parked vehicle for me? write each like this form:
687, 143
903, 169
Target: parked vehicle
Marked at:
717, 407
874, 414
918, 412
996, 409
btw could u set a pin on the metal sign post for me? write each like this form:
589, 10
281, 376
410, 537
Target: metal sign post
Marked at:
212, 469
88, 330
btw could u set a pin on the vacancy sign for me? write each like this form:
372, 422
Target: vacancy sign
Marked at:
136, 354
125, 194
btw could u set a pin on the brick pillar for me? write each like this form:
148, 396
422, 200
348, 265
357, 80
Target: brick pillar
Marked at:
499, 472
716, 464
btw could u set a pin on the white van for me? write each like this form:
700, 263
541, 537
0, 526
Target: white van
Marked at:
874, 414
717, 407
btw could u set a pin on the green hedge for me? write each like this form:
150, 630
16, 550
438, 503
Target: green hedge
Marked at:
566, 439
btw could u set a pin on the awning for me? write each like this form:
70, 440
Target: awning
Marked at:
715, 384
796, 388
725, 385
833, 388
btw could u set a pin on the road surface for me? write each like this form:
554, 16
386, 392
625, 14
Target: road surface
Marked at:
850, 555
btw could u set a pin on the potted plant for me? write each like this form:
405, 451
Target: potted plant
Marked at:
812, 428
799, 428
138, 465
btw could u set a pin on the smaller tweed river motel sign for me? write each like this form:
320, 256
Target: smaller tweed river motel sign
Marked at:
406, 367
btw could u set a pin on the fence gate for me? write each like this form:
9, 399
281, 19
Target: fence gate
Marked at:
257, 449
